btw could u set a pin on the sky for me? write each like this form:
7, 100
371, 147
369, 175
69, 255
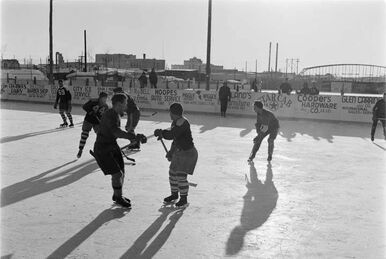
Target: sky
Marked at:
315, 32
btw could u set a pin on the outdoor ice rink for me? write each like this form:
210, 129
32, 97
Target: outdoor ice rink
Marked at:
323, 196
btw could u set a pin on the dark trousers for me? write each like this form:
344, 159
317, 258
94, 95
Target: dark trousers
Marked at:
257, 142
224, 106
374, 126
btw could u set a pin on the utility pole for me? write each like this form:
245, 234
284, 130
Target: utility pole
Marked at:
297, 66
51, 78
277, 52
256, 70
208, 45
286, 66
269, 57
85, 52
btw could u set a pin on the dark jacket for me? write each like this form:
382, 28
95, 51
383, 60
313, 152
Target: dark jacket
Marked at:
180, 133
153, 77
285, 88
94, 111
267, 118
379, 109
143, 79
224, 93
63, 96
110, 130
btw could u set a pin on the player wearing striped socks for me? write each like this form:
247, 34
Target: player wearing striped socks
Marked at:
94, 108
63, 98
182, 155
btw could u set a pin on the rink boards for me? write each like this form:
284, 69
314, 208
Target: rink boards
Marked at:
319, 107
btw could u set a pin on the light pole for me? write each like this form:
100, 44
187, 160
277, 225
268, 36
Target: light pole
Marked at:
208, 45
51, 78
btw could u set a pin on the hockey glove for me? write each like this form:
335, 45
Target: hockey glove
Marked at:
141, 138
158, 133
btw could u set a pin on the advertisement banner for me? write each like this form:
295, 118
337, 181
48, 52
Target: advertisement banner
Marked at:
324, 107
357, 108
280, 104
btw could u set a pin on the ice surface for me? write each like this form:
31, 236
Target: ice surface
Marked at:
322, 197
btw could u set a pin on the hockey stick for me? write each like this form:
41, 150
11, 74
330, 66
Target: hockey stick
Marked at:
126, 146
163, 144
166, 150
128, 158
148, 115
93, 154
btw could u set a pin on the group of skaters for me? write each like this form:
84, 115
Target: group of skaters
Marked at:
106, 122
182, 155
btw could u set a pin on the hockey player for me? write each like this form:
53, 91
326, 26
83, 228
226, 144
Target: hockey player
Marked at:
94, 108
379, 111
183, 155
106, 150
133, 115
63, 98
266, 124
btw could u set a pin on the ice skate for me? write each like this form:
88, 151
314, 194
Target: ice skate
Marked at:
79, 153
122, 201
170, 199
182, 203
63, 125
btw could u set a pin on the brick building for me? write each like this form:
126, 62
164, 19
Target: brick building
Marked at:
124, 61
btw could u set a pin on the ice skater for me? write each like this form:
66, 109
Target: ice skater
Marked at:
266, 124
379, 111
95, 109
63, 98
106, 150
182, 155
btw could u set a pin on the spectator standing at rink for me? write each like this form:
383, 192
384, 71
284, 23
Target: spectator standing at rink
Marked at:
260, 86
314, 90
305, 89
143, 80
379, 111
285, 88
63, 98
153, 78
254, 85
224, 96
